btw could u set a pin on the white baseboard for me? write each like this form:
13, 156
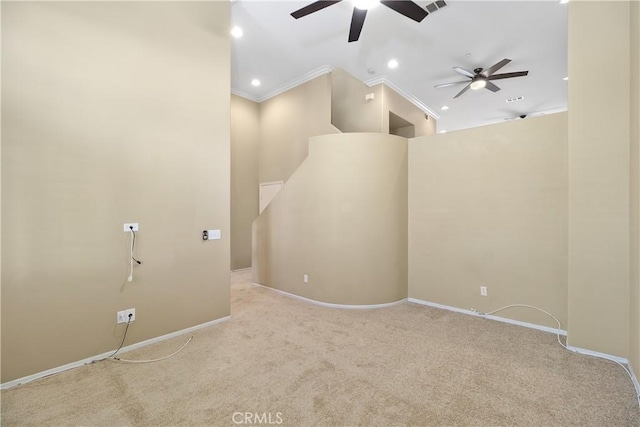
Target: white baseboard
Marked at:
331, 305
598, 354
88, 360
239, 270
491, 317
618, 359
554, 331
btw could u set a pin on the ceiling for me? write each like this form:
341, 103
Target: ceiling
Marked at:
280, 51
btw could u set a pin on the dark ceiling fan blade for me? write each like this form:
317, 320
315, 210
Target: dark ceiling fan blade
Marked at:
406, 8
313, 7
466, 88
495, 67
357, 21
508, 75
464, 72
492, 87
449, 84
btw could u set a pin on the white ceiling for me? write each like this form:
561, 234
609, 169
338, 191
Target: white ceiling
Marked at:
278, 50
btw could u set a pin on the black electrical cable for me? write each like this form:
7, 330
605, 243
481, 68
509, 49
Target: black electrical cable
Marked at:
133, 245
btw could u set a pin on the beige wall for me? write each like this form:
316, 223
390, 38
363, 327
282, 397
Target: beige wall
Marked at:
286, 123
400, 106
488, 207
634, 340
112, 113
0, 188
599, 247
342, 220
350, 111
245, 135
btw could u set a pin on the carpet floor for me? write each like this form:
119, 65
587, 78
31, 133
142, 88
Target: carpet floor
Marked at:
282, 361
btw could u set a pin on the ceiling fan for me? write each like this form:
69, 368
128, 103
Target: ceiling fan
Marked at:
360, 7
482, 78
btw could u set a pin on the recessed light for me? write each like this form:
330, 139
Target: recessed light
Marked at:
392, 64
563, 1
565, 78
255, 82
467, 55
237, 32
443, 131
444, 108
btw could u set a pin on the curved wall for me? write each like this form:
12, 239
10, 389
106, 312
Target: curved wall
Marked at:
341, 219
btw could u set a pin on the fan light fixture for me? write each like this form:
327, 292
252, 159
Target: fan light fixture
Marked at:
482, 78
478, 84
365, 4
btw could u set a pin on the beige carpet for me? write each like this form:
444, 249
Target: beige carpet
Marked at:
308, 365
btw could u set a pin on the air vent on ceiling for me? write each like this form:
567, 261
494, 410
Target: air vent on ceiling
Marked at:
517, 98
435, 6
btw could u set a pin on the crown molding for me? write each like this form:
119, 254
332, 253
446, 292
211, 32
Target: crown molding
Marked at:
325, 69
554, 110
245, 95
404, 93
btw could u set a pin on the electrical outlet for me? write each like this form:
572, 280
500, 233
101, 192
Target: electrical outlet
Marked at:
305, 278
123, 316
483, 291
127, 226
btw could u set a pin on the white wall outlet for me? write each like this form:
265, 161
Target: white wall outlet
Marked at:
128, 225
214, 234
123, 316
305, 278
483, 291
